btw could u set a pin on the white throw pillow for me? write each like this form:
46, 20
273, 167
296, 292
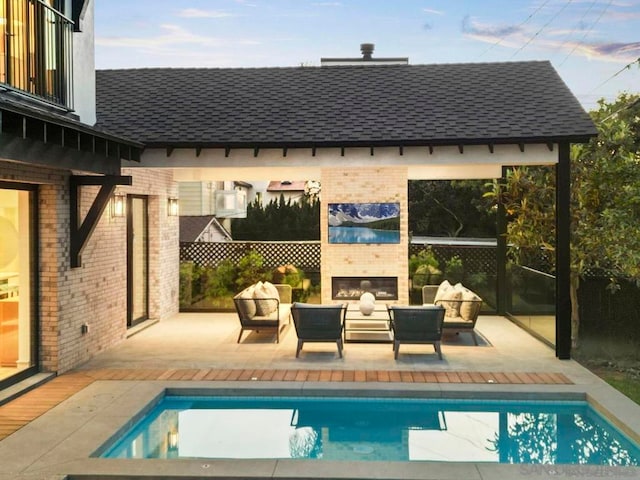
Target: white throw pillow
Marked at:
271, 288
247, 305
265, 303
442, 289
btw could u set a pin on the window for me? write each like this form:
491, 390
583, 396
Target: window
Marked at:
36, 55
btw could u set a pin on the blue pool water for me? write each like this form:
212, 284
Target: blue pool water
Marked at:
524, 432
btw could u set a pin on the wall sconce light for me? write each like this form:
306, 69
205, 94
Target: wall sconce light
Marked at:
172, 207
172, 440
118, 205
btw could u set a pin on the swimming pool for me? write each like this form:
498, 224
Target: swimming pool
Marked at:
382, 429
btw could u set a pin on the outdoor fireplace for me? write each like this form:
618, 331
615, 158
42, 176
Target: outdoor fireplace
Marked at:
351, 288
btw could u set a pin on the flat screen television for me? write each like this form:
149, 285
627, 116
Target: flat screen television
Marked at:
371, 223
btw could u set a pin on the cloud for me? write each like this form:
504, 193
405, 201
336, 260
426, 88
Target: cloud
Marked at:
608, 52
327, 4
516, 36
486, 32
432, 11
197, 13
174, 36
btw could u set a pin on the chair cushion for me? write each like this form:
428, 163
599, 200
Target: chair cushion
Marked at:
264, 300
247, 305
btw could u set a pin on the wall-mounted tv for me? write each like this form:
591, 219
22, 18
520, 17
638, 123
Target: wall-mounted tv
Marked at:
364, 223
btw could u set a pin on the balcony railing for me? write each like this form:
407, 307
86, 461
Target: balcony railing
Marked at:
36, 51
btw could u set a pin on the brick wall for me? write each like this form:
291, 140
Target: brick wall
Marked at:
95, 293
365, 185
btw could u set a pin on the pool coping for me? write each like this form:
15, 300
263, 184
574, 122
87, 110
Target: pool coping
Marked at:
63, 440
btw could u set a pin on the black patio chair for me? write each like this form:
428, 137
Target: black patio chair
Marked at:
318, 323
416, 324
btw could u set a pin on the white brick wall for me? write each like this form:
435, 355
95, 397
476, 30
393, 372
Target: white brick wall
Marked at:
365, 185
96, 292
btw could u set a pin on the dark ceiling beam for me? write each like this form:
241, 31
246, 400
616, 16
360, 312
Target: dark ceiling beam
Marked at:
80, 232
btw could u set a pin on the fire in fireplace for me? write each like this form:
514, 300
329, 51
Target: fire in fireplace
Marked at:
351, 288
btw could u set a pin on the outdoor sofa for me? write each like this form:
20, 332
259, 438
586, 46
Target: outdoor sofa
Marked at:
264, 306
462, 306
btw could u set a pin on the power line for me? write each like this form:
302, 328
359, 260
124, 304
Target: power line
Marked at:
542, 28
579, 23
626, 67
588, 31
519, 25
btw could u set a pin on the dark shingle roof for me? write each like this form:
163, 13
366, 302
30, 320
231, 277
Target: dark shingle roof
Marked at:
341, 106
191, 227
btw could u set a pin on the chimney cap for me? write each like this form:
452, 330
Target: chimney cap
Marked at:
367, 50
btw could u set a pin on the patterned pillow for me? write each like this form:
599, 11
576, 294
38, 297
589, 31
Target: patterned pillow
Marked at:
265, 303
469, 309
448, 301
247, 308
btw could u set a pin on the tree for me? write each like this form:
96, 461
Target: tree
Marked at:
280, 220
605, 202
449, 209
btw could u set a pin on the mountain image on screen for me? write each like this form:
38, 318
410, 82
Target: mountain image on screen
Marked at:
381, 216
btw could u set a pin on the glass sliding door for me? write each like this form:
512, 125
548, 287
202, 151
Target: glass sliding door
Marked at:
18, 291
138, 260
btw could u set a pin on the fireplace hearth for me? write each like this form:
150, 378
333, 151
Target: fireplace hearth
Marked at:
351, 288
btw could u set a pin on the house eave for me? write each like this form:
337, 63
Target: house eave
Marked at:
306, 144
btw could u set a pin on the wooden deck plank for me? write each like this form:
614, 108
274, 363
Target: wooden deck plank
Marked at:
26, 408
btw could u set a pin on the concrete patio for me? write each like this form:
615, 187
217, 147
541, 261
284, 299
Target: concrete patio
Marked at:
82, 409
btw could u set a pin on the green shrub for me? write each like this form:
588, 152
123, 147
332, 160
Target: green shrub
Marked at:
250, 270
186, 284
222, 282
454, 269
423, 268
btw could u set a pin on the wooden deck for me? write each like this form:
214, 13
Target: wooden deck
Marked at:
24, 409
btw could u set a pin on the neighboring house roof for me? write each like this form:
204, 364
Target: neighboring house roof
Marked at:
191, 227
342, 106
286, 186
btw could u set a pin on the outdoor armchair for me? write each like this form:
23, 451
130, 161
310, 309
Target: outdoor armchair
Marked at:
416, 324
318, 323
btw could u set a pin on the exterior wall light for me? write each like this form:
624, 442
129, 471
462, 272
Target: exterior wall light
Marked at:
118, 205
172, 207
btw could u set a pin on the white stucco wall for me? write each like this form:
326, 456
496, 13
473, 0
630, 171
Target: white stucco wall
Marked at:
84, 74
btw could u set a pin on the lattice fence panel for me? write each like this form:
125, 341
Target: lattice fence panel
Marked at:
305, 255
474, 258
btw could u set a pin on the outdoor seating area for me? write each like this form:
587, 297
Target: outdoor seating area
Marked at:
266, 307
462, 306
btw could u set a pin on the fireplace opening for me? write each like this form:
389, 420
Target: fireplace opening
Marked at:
351, 288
